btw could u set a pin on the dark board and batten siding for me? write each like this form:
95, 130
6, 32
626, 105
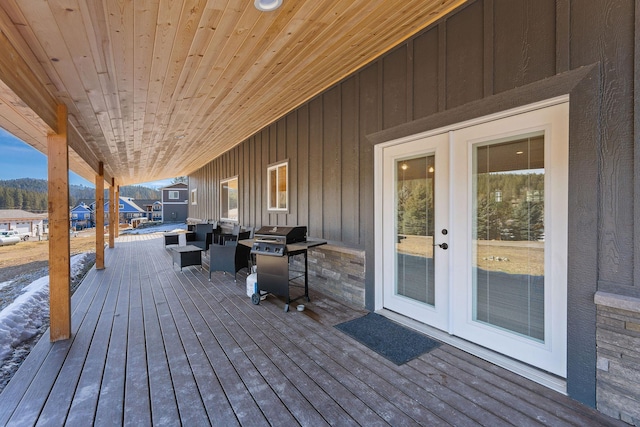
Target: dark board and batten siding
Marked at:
485, 57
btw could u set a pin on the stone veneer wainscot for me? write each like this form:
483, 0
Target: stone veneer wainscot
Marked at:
336, 271
618, 356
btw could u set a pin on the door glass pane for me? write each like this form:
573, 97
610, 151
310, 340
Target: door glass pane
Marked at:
508, 235
414, 228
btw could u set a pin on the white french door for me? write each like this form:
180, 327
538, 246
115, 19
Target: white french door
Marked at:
416, 205
472, 232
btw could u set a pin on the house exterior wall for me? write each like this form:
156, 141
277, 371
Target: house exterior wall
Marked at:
23, 226
175, 210
488, 56
21, 221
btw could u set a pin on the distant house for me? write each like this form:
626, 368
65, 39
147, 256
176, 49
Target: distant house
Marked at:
152, 208
175, 203
128, 210
22, 221
81, 217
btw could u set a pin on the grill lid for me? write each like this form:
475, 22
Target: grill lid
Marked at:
283, 234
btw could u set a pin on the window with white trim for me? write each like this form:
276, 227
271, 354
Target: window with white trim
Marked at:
277, 187
174, 195
194, 196
229, 199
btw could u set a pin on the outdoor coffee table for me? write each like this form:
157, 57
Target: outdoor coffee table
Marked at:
188, 255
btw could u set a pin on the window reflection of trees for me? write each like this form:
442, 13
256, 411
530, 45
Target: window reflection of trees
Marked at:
414, 200
518, 215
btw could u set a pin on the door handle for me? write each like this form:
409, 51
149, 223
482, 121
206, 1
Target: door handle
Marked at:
442, 245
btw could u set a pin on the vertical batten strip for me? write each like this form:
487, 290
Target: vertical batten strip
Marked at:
112, 212
99, 212
59, 240
636, 145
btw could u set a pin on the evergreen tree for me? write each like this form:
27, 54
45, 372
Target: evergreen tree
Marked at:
415, 213
10, 198
487, 221
528, 224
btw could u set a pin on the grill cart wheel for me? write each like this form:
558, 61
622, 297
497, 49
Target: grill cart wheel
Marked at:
255, 298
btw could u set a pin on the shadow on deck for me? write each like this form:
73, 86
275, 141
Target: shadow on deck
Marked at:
155, 346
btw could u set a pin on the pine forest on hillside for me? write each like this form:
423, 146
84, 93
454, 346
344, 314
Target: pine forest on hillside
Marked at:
31, 194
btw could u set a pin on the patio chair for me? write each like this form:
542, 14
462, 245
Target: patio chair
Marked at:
233, 233
202, 236
229, 257
250, 230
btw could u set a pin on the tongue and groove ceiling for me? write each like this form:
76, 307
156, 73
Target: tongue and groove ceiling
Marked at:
158, 88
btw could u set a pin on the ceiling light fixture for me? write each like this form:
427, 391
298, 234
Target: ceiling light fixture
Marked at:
267, 5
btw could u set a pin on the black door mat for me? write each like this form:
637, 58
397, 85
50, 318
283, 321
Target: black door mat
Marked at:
387, 338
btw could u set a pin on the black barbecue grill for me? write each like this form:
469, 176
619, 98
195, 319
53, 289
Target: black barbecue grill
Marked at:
272, 247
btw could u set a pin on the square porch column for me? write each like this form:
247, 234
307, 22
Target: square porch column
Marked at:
59, 226
100, 217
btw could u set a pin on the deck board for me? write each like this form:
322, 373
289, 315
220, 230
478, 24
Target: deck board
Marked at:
161, 392
152, 345
85, 399
352, 379
110, 409
181, 351
74, 363
255, 385
137, 407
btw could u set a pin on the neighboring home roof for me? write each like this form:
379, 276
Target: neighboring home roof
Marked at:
142, 203
81, 208
19, 214
87, 202
176, 186
139, 203
128, 203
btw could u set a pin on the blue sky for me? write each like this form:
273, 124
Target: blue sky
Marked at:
20, 160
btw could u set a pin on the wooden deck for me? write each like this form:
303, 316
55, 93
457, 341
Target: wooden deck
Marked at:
154, 346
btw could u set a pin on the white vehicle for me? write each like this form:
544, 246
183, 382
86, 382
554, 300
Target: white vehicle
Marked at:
9, 237
21, 235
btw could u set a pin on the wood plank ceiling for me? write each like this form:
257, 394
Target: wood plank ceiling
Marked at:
158, 88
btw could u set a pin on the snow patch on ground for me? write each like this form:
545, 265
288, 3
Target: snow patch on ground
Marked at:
160, 228
24, 320
23, 317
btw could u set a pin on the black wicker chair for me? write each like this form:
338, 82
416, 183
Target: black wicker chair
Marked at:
229, 256
202, 236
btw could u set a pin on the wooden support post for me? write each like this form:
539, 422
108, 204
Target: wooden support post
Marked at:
118, 210
112, 213
99, 213
59, 231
